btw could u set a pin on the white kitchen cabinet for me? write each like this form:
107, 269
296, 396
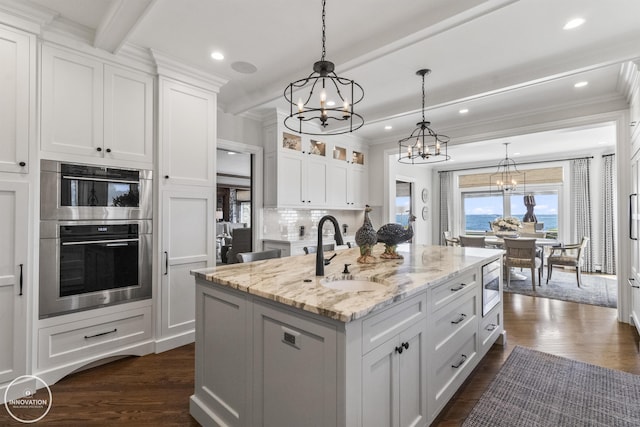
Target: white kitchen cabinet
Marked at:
95, 110
394, 377
295, 365
187, 238
15, 280
187, 134
634, 236
308, 172
17, 99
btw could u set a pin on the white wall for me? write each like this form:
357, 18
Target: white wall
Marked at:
241, 129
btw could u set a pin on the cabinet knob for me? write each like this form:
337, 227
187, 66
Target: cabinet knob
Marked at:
22, 164
108, 150
399, 349
98, 149
166, 177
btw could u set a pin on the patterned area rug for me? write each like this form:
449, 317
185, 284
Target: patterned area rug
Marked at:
595, 289
536, 389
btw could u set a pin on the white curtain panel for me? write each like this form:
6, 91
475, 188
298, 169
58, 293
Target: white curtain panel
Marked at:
446, 189
609, 203
581, 207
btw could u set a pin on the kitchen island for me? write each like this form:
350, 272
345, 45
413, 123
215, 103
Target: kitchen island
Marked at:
277, 346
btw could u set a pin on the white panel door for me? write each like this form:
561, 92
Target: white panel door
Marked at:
14, 280
128, 115
337, 185
290, 180
72, 103
316, 182
380, 386
187, 244
16, 83
187, 134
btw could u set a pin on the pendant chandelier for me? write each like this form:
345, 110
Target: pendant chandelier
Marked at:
507, 176
327, 102
424, 145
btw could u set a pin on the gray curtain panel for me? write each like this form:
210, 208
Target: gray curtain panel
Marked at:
609, 203
581, 207
445, 203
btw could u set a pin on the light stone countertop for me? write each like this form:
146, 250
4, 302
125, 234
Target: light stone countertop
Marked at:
283, 279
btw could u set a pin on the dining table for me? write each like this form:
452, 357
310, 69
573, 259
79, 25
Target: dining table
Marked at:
493, 241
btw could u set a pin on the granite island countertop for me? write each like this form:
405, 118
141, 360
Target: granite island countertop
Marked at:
283, 279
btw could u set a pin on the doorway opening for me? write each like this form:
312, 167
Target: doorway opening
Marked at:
234, 205
404, 202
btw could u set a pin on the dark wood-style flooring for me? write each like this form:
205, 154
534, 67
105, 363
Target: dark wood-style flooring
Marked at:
154, 390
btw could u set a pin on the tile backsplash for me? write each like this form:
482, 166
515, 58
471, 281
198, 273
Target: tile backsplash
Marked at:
286, 223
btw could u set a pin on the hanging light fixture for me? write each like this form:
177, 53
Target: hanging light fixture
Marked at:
424, 145
507, 176
329, 102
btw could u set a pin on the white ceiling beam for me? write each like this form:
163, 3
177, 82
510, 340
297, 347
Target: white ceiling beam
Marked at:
119, 22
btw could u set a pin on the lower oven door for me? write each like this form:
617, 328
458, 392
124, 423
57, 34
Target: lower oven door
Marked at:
89, 265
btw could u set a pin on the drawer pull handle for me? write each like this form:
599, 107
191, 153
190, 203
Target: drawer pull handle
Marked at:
21, 265
491, 327
459, 319
460, 362
86, 337
631, 281
459, 288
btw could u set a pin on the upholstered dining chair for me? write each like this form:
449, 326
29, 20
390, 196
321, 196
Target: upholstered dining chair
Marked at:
312, 249
256, 256
472, 241
568, 256
449, 240
522, 253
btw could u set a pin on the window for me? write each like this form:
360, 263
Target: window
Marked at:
480, 208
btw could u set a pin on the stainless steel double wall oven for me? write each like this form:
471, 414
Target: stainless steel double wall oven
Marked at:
95, 236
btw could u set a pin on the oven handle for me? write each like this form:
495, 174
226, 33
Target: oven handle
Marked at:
94, 242
84, 178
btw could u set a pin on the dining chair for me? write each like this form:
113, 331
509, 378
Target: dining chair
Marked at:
472, 241
568, 256
256, 256
449, 240
522, 253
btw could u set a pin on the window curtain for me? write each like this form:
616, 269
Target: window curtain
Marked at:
446, 208
581, 207
609, 204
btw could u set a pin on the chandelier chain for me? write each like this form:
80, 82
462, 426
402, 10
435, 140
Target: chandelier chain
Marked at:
423, 96
324, 27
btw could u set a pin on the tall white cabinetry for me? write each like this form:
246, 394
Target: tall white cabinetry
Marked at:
186, 177
95, 110
17, 151
634, 197
15, 283
302, 171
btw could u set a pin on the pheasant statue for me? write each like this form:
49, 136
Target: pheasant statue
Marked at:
392, 235
366, 239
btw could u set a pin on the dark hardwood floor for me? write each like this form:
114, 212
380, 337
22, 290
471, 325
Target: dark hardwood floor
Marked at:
154, 390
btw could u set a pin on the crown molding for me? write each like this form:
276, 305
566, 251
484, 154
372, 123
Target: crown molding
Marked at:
177, 70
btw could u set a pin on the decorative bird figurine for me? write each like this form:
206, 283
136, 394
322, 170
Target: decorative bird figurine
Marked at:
392, 235
366, 239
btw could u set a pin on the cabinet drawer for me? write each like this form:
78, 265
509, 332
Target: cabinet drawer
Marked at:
451, 365
490, 328
70, 342
452, 289
384, 325
452, 318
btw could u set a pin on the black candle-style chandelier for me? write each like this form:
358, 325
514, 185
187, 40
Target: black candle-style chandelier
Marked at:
507, 177
330, 106
424, 145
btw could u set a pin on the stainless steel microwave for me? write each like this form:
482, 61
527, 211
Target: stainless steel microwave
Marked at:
72, 191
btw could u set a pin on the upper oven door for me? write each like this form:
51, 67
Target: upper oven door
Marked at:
84, 192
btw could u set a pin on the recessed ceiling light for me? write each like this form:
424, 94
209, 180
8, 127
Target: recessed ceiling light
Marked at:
516, 154
231, 153
388, 127
573, 23
581, 84
463, 111
218, 56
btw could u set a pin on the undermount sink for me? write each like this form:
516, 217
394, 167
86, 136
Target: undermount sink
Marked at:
353, 284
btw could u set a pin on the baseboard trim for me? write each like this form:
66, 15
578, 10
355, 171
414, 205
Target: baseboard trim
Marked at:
169, 343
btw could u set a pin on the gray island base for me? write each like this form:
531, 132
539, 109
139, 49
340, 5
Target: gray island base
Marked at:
277, 346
